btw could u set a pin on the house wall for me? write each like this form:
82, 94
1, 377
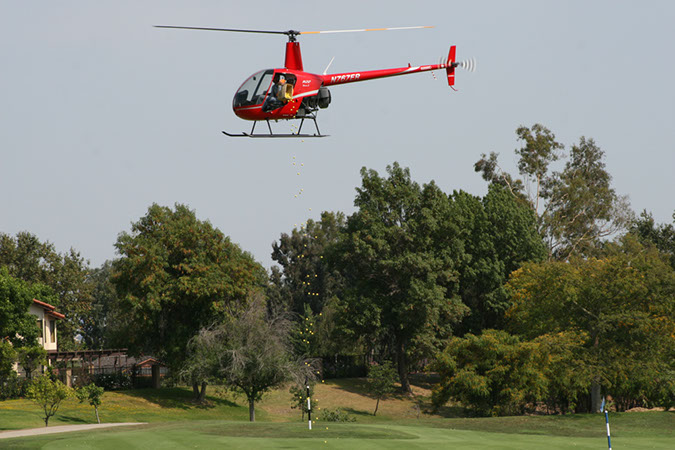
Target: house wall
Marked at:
48, 336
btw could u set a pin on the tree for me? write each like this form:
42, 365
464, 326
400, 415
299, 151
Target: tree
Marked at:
493, 373
399, 255
7, 360
254, 353
31, 358
16, 325
175, 275
201, 363
305, 277
576, 208
660, 236
48, 394
624, 303
101, 319
91, 394
498, 233
66, 277
381, 379
299, 397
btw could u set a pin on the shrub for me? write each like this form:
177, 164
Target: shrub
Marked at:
336, 415
113, 381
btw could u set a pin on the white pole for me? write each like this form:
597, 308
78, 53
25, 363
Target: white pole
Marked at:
609, 440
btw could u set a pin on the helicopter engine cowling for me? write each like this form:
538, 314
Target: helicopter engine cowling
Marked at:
323, 98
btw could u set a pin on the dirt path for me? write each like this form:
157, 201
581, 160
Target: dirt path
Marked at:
62, 429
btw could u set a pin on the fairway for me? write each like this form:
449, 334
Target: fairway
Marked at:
237, 435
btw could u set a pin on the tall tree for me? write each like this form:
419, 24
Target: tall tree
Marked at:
399, 255
67, 275
661, 236
99, 322
305, 277
17, 325
253, 352
625, 305
576, 208
175, 275
499, 233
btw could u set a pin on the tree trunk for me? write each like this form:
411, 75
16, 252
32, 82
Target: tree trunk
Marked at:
402, 366
251, 410
97, 418
596, 392
596, 397
195, 391
202, 394
377, 405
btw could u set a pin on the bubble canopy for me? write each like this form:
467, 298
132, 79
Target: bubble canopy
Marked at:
254, 89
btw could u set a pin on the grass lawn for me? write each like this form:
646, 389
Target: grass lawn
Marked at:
175, 422
236, 435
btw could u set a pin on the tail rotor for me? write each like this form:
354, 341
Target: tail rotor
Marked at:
450, 64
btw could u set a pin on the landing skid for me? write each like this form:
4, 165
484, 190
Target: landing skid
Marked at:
277, 135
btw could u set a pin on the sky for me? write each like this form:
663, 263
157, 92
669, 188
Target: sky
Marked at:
102, 115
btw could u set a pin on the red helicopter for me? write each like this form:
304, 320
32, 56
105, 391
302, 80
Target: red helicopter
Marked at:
291, 93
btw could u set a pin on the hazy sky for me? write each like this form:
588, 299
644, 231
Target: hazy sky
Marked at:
101, 114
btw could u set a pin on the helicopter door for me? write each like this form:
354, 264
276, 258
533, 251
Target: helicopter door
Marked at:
253, 91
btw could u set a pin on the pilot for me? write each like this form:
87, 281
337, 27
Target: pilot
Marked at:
275, 99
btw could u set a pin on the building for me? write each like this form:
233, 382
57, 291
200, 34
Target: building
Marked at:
47, 318
47, 323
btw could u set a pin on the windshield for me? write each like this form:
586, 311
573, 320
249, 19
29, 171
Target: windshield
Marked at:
253, 91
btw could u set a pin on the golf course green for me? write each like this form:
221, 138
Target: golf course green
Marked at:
174, 421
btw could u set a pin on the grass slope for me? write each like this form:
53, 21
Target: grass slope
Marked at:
175, 422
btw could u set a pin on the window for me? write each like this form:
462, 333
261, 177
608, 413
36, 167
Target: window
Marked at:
40, 328
253, 91
52, 331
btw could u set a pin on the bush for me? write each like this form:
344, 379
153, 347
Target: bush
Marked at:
336, 415
113, 381
12, 387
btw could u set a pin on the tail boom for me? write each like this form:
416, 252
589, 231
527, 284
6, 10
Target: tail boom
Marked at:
352, 77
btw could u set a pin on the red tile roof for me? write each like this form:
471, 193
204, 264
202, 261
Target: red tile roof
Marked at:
50, 309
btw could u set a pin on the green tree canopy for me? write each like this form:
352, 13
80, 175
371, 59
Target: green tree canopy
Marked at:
66, 275
493, 373
499, 233
624, 303
304, 277
48, 394
661, 236
399, 255
381, 379
91, 394
101, 319
17, 325
576, 208
175, 275
253, 352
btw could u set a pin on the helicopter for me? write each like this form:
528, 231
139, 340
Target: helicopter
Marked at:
290, 93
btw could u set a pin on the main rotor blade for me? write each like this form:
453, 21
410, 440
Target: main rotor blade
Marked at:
364, 29
222, 29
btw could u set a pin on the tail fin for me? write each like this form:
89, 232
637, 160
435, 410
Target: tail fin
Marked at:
450, 68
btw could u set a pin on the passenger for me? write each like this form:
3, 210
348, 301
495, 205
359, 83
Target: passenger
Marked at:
275, 99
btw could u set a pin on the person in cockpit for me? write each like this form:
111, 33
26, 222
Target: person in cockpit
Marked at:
276, 98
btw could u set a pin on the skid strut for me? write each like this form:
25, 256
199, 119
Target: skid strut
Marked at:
271, 134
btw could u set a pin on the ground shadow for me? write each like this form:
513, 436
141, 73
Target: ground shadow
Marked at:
178, 398
357, 412
70, 420
360, 385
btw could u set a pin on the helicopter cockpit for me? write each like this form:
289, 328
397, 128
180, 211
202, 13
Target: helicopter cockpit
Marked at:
254, 90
